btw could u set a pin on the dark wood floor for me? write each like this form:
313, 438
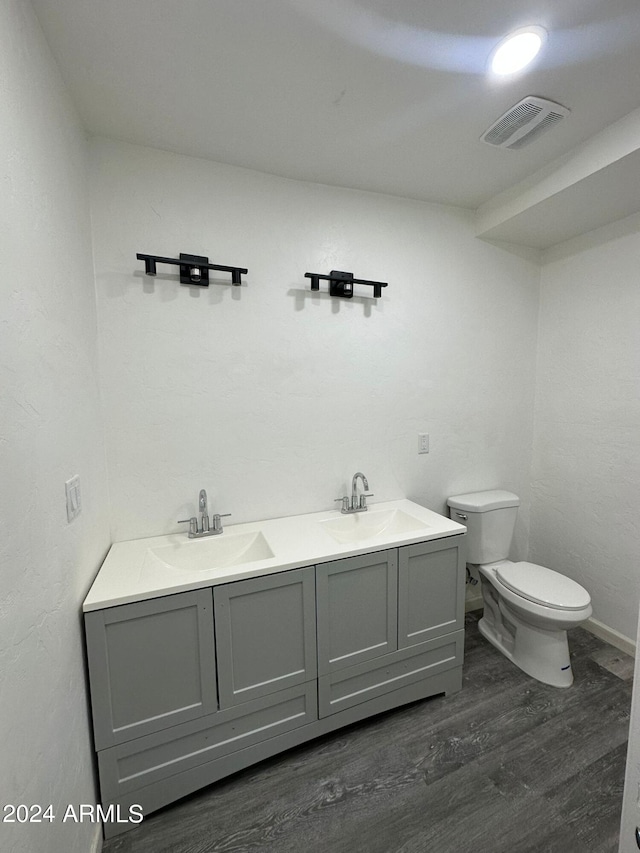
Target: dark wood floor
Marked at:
508, 765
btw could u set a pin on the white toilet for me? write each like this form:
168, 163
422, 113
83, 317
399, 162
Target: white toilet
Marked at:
527, 608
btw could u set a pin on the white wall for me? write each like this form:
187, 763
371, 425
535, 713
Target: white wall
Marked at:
50, 429
271, 397
586, 461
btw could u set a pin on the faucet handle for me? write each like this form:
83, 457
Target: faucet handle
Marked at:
345, 503
215, 520
363, 499
192, 522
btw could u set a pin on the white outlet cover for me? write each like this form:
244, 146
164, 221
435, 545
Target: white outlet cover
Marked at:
74, 503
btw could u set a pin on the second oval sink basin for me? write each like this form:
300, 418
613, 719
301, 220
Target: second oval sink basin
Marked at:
371, 524
214, 552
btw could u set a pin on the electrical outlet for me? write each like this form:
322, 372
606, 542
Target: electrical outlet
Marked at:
423, 442
74, 503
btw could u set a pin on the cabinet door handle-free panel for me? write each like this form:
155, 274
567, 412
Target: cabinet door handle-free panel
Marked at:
151, 665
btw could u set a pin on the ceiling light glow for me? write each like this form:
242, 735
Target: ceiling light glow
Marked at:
517, 50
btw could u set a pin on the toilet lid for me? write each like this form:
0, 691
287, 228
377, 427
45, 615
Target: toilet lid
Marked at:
543, 586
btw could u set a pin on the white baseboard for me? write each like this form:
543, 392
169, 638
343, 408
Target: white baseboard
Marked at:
473, 600
96, 846
611, 636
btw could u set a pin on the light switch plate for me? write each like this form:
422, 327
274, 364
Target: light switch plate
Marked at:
74, 503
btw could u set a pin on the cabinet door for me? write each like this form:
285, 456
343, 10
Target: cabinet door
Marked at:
357, 609
430, 590
265, 634
151, 665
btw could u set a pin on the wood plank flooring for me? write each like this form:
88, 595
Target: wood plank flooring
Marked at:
508, 765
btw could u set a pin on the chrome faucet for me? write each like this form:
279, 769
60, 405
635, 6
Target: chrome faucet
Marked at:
203, 506
205, 528
355, 504
354, 489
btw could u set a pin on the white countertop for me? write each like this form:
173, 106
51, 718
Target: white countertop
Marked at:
141, 569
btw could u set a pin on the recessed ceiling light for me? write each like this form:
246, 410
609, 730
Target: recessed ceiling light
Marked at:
517, 50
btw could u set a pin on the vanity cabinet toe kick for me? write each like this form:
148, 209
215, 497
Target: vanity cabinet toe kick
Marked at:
193, 686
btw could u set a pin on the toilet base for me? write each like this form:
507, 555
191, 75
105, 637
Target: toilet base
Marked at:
543, 654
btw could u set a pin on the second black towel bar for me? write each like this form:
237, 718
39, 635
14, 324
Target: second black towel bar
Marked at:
341, 283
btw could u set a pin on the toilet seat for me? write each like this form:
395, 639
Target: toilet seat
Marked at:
543, 586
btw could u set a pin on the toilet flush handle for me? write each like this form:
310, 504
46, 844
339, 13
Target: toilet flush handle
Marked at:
461, 515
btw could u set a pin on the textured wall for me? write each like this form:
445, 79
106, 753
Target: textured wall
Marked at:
271, 397
50, 429
586, 462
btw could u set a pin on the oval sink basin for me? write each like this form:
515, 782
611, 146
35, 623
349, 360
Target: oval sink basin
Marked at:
214, 552
370, 525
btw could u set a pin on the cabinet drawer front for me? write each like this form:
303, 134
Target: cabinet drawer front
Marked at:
365, 681
131, 766
152, 665
357, 610
265, 634
430, 591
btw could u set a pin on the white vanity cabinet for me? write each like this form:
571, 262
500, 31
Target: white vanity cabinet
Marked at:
189, 687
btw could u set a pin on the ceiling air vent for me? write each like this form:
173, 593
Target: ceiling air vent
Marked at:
524, 122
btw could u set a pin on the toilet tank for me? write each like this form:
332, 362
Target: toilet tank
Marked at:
490, 518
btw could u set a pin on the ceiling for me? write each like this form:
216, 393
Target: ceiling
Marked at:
383, 95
